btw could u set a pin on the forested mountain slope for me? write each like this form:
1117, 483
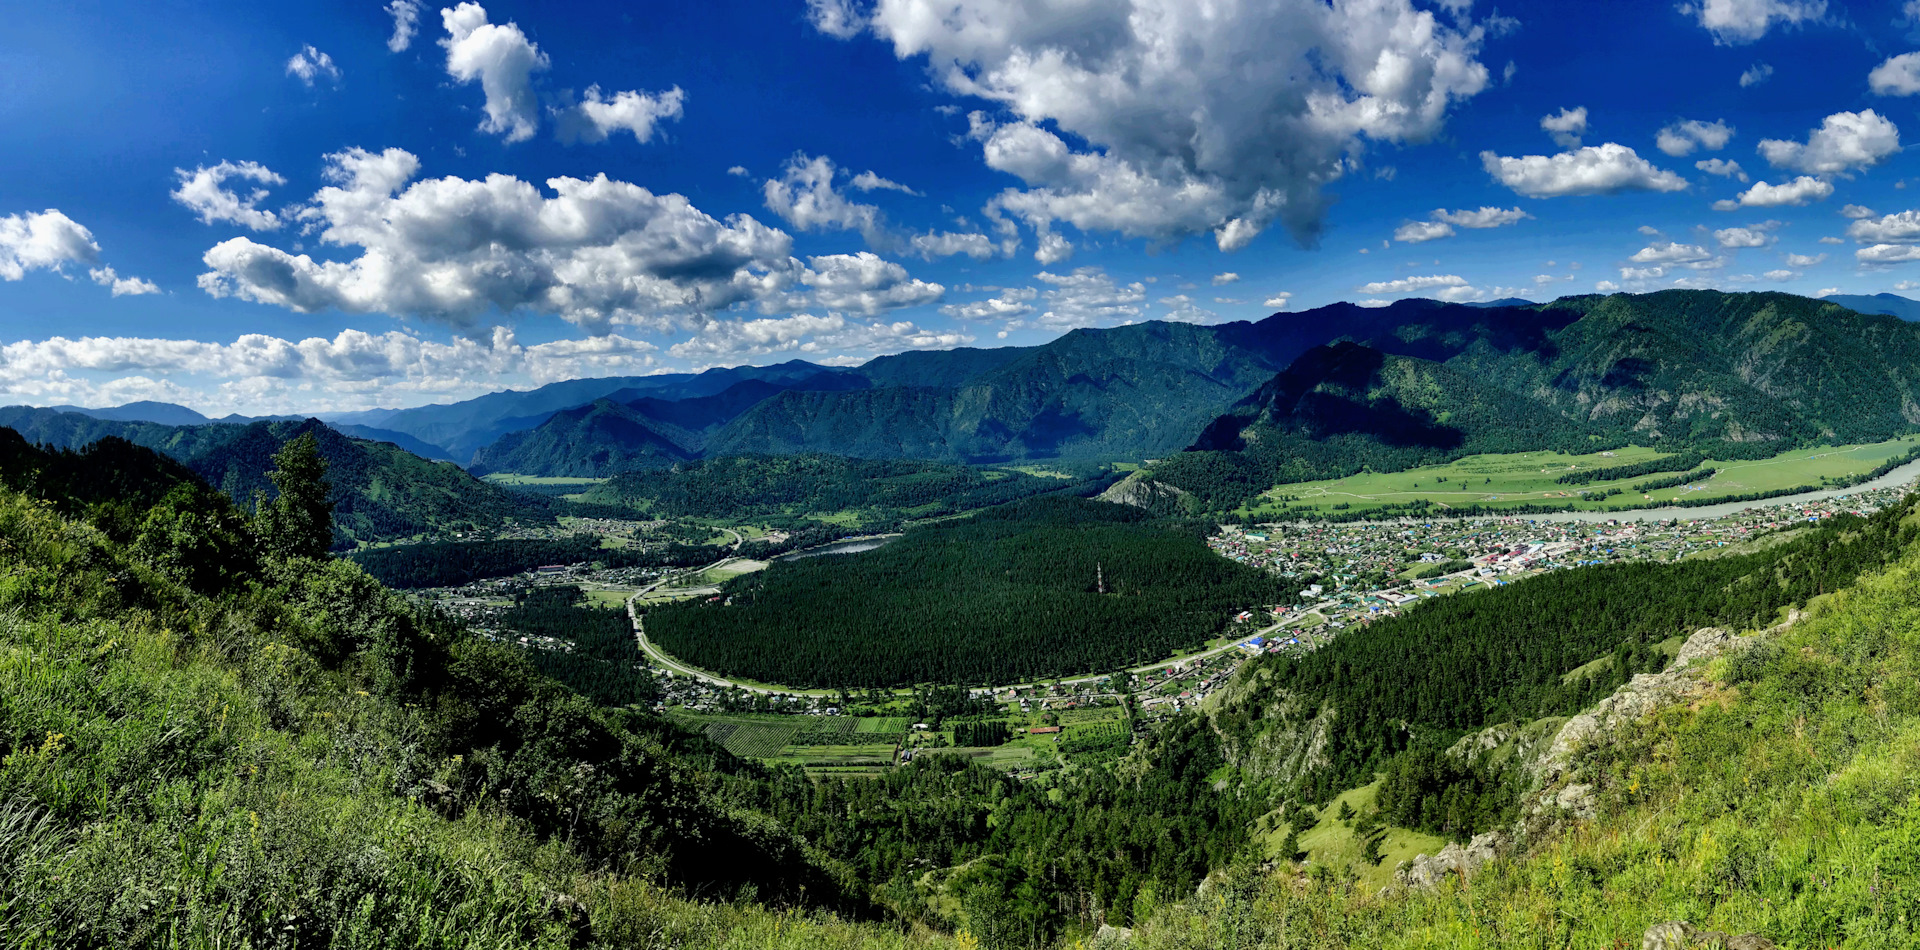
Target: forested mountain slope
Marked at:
1731, 375
380, 491
771, 486
629, 430
1119, 393
464, 427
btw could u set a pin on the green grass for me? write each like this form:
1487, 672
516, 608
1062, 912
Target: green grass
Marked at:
611, 599
1529, 478
888, 725
1000, 757
507, 478
1332, 843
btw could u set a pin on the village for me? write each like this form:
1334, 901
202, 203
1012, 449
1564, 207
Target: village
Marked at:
1354, 575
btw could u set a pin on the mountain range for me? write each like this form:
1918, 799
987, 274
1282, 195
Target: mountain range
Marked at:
1732, 375
1229, 409
381, 491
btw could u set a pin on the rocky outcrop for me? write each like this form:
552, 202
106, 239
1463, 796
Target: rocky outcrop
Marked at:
1428, 871
1680, 935
1141, 491
1641, 696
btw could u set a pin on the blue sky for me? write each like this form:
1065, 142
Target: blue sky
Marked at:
270, 208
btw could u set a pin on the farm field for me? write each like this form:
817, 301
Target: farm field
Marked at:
999, 757
825, 744
507, 478
1531, 478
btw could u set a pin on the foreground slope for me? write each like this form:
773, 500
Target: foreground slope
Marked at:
1772, 793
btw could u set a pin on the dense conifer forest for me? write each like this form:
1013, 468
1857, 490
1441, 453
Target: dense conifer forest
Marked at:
794, 486
1042, 588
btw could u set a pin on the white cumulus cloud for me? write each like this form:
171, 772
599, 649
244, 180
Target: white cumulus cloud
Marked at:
406, 22
1013, 303
1756, 74
49, 240
1087, 297
1417, 232
257, 373
1722, 168
1405, 285
805, 196
1278, 301
1164, 118
1804, 260
1888, 254
204, 191
734, 341
503, 60
1898, 76
1899, 228
1797, 192
122, 286
597, 116
1671, 252
1742, 237
597, 252
1566, 126
1682, 137
310, 64
1594, 170
1844, 142
1484, 217
1733, 22
868, 181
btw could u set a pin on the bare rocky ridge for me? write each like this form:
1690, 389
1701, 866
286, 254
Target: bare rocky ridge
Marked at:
1556, 797
1142, 492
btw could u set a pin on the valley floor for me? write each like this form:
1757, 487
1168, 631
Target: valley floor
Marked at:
1490, 483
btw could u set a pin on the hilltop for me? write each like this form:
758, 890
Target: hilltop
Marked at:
380, 491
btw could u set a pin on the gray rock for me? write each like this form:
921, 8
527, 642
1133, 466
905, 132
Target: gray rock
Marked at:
1680, 935
1111, 936
1427, 871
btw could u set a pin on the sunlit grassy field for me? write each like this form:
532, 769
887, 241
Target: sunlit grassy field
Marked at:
1531, 478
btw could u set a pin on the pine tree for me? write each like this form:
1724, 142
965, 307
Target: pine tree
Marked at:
299, 522
1290, 847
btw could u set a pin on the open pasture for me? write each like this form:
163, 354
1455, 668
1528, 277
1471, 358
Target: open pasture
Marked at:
1532, 478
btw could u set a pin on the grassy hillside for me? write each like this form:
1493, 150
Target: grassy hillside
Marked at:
1779, 797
